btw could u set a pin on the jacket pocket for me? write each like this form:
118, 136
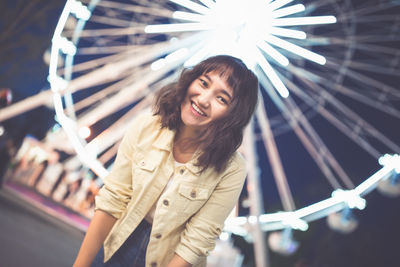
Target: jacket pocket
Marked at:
192, 198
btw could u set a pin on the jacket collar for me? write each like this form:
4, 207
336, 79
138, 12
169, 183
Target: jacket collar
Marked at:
165, 141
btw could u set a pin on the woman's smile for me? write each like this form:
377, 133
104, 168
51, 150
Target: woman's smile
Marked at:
197, 111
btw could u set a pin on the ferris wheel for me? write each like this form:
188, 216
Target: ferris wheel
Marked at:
328, 72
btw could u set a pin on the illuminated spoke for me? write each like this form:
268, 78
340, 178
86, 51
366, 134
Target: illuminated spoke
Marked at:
283, 12
281, 59
287, 33
304, 21
192, 5
296, 49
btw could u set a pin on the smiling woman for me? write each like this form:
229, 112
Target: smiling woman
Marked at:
177, 174
219, 88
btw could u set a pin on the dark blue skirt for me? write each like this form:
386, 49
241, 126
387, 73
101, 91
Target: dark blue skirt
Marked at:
132, 253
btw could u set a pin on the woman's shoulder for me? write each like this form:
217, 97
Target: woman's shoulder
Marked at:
144, 120
236, 163
143, 123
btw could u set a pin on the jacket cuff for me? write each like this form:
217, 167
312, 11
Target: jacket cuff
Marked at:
104, 205
186, 253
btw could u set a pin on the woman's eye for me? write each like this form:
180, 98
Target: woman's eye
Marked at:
223, 100
203, 82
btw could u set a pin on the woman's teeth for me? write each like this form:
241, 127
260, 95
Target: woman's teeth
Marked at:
198, 109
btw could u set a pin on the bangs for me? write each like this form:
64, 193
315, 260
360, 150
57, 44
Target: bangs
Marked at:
227, 73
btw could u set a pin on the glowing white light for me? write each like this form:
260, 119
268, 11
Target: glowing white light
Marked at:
296, 49
66, 46
84, 132
179, 27
176, 55
158, 64
2, 131
281, 59
278, 3
57, 83
287, 33
208, 3
240, 28
295, 223
187, 16
304, 21
252, 219
288, 11
224, 236
197, 57
390, 160
237, 27
272, 76
192, 5
80, 11
352, 199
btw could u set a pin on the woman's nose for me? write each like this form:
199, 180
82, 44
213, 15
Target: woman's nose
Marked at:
204, 99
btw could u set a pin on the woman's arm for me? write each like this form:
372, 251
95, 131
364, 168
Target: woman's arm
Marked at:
178, 261
97, 232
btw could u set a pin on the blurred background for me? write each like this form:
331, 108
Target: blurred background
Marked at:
47, 194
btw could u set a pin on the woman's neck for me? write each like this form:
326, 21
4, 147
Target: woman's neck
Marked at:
185, 145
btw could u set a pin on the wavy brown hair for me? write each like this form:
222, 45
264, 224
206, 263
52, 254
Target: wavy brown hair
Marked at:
223, 136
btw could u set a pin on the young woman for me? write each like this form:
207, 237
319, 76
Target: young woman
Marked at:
177, 174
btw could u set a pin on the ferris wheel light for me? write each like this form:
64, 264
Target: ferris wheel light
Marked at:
84, 132
80, 10
281, 59
253, 220
187, 16
304, 21
352, 199
391, 161
295, 223
192, 5
176, 55
273, 77
278, 3
57, 83
296, 49
288, 33
237, 27
224, 236
178, 27
66, 46
288, 11
208, 3
196, 58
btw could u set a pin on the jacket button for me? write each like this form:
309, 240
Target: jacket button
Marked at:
153, 264
165, 202
193, 194
158, 236
181, 171
142, 163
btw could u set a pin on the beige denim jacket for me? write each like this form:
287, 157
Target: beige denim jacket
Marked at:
189, 215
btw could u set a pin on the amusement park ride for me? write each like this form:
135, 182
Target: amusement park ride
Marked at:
315, 60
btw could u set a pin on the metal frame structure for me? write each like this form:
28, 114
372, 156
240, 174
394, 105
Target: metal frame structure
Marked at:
120, 52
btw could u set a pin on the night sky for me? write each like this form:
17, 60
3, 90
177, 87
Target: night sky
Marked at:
26, 30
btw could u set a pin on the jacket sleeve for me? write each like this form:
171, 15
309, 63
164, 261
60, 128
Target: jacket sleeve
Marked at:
116, 192
199, 236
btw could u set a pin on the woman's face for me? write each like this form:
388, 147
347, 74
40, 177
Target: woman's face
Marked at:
208, 99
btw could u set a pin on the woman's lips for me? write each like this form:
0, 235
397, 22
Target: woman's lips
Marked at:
197, 111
